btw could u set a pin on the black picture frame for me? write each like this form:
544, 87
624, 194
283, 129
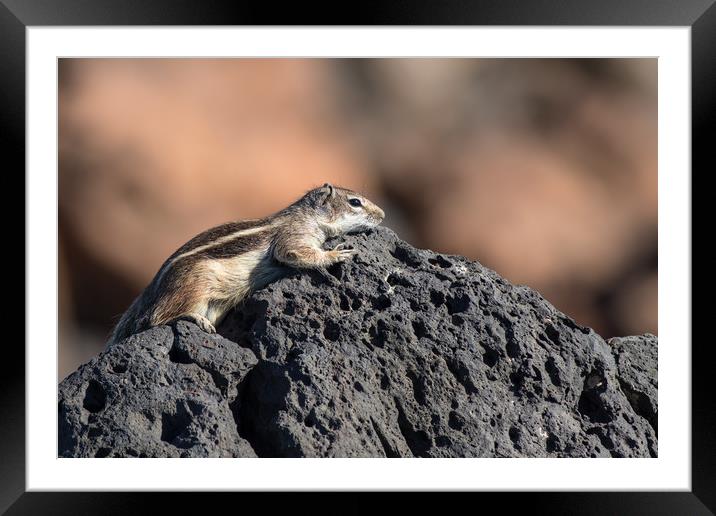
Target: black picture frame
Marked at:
699, 15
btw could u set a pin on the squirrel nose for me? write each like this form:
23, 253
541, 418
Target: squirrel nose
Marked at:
380, 213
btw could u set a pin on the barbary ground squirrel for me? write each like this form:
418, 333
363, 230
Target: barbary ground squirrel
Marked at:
215, 270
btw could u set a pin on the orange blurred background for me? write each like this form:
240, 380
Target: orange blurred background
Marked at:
544, 170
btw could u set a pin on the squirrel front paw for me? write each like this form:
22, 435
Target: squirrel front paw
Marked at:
340, 253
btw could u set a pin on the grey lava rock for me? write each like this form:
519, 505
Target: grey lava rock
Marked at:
167, 392
636, 359
399, 352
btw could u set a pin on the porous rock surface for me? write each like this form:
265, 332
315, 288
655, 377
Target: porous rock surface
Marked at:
399, 352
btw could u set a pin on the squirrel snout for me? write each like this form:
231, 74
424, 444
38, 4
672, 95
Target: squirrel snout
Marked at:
378, 214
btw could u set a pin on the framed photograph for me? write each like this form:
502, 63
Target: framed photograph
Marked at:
459, 255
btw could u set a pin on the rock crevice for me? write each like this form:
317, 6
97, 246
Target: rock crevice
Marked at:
399, 352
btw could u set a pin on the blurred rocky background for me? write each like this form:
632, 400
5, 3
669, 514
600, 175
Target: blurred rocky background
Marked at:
544, 170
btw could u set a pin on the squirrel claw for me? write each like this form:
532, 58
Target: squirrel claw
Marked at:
342, 254
339, 253
202, 322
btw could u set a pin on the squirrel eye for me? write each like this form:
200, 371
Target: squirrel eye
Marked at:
355, 202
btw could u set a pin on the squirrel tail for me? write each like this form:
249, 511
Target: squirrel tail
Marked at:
128, 324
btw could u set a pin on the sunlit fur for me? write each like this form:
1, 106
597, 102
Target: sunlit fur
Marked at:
217, 269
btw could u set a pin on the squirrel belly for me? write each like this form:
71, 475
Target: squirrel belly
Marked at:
213, 272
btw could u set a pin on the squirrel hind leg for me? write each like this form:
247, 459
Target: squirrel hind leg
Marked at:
195, 312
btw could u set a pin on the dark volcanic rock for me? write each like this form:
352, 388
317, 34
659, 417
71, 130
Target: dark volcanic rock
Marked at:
636, 359
167, 392
399, 352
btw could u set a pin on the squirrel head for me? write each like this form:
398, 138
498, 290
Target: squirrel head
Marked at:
345, 211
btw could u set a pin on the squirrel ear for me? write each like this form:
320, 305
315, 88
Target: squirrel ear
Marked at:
328, 191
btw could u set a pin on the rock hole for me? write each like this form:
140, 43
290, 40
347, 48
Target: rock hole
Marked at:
415, 305
418, 441
320, 278
641, 404
332, 331
179, 355
490, 357
442, 441
456, 421
336, 270
174, 425
607, 443
396, 279
573, 325
294, 353
462, 374
419, 329
553, 371
381, 302
102, 453
388, 448
119, 367
515, 434
437, 298
552, 334
591, 403
441, 262
517, 380
289, 309
240, 331
512, 348
247, 410
537, 374
418, 387
377, 333
458, 304
552, 444
358, 386
95, 397
406, 255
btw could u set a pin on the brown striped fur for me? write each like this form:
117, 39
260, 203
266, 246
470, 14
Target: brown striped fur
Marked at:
217, 269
